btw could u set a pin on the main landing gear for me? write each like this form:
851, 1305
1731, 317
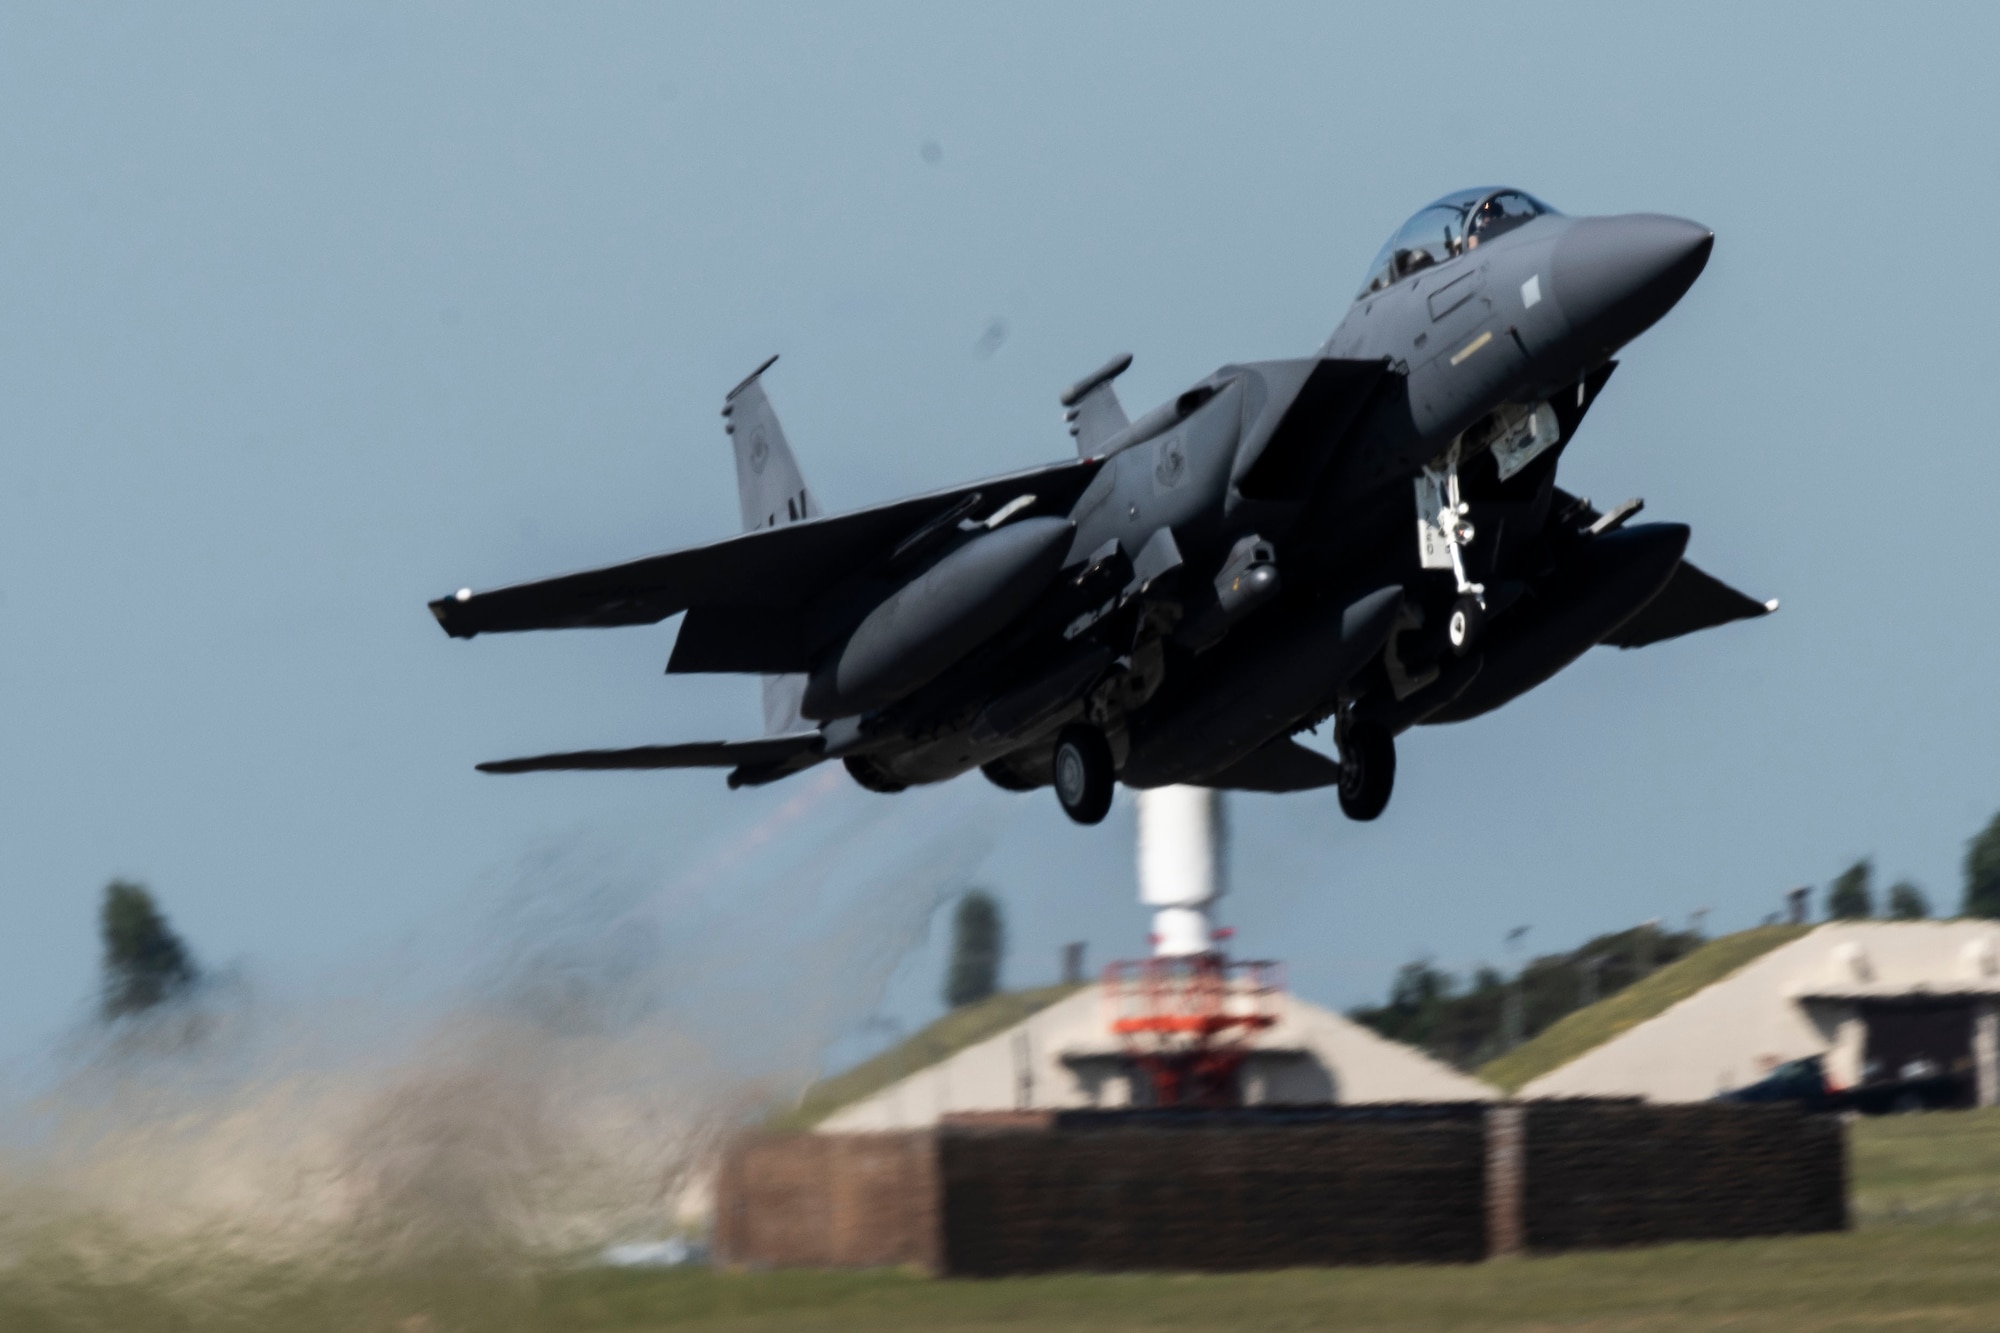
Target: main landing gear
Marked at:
1084, 777
1367, 768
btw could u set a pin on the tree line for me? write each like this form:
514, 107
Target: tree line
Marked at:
145, 964
1851, 895
1468, 1020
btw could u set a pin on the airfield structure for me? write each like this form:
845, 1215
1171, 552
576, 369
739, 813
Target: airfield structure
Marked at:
1185, 1015
1138, 1124
1187, 1027
1876, 1002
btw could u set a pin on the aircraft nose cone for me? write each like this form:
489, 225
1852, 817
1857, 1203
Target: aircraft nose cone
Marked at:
1614, 277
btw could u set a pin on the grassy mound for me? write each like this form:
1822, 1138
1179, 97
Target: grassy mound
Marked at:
939, 1041
1587, 1029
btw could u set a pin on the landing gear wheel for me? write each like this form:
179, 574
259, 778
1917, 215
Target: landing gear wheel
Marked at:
1462, 627
1367, 770
1083, 774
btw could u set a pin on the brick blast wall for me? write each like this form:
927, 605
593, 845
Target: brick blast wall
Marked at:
829, 1201
1243, 1190
1605, 1175
1213, 1198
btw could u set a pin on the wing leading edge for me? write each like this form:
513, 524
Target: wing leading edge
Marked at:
765, 752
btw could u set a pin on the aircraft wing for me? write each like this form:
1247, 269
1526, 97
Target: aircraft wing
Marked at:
778, 567
1692, 600
759, 753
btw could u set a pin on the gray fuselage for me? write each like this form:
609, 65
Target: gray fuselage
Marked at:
1525, 317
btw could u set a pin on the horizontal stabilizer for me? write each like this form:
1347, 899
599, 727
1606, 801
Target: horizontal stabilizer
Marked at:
1277, 766
759, 753
1692, 600
783, 566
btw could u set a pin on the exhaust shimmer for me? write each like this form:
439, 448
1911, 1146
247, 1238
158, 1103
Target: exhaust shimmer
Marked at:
425, 1134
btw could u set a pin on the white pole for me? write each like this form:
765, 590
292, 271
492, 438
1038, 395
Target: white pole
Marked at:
1180, 866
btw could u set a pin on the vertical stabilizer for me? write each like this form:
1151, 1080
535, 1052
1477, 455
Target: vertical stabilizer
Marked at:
768, 482
772, 493
1092, 409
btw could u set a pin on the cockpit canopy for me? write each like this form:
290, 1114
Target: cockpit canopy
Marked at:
1451, 226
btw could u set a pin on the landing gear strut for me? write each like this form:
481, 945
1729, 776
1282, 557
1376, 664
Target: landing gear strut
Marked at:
1367, 768
1441, 523
1084, 777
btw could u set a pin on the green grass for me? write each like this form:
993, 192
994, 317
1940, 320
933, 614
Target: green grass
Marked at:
1942, 1167
1905, 1269
1587, 1029
938, 1041
1903, 1278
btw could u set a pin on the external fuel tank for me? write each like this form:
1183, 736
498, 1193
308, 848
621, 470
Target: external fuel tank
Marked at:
938, 617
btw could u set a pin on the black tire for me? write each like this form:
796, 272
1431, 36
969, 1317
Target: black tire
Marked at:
1082, 772
1367, 770
1462, 627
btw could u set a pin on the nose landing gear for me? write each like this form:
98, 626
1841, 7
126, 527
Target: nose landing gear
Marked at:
1467, 619
1442, 536
1084, 777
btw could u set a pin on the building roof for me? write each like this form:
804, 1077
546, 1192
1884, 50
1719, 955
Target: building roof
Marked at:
1576, 1033
1063, 1055
1807, 996
936, 1041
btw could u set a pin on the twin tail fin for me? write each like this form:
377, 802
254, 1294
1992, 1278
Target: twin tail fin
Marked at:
772, 492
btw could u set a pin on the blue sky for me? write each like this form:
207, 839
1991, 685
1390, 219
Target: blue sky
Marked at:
311, 313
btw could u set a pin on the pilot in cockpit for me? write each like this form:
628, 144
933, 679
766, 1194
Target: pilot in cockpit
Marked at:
1497, 214
1481, 222
1447, 229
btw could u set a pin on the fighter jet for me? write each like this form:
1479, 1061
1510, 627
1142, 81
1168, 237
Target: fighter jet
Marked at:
1371, 536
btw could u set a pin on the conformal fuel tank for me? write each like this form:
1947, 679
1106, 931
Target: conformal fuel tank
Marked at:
938, 617
1262, 688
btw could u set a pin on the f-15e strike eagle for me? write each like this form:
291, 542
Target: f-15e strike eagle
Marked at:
1372, 536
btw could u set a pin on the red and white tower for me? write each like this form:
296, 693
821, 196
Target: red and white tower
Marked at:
1187, 1013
